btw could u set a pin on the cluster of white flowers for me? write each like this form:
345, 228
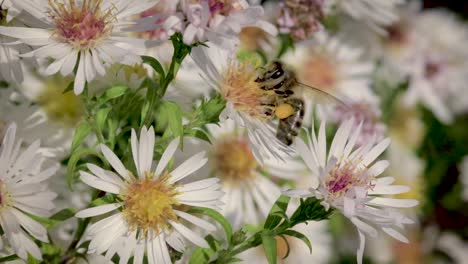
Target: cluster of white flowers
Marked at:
140, 184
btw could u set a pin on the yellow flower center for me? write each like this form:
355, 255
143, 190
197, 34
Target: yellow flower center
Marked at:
239, 88
234, 160
148, 204
81, 25
318, 71
64, 108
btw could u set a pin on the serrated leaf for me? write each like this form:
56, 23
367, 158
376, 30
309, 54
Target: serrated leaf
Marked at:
155, 64
101, 117
300, 236
277, 212
75, 157
81, 132
115, 92
217, 217
269, 245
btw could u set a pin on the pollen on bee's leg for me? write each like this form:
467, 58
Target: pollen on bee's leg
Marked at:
284, 111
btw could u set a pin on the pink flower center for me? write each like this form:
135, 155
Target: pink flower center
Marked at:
82, 26
343, 178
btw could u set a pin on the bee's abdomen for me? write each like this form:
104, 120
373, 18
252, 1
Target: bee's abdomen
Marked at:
288, 128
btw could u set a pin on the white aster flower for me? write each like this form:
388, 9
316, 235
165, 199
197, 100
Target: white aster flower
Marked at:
329, 64
374, 13
150, 213
349, 182
438, 72
10, 61
235, 80
241, 167
366, 112
83, 33
22, 192
33, 123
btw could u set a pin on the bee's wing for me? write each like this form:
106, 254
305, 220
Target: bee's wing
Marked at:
319, 96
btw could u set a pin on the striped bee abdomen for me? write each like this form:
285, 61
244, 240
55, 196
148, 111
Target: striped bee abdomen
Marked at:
288, 128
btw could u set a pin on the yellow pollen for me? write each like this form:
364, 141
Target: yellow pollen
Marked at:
5, 200
239, 88
318, 71
64, 108
234, 160
148, 204
284, 111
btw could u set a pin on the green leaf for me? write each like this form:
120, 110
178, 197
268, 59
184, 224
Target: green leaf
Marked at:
217, 217
9, 258
171, 113
155, 64
209, 111
63, 214
81, 132
310, 209
300, 236
101, 117
107, 199
201, 255
277, 212
115, 92
269, 244
72, 162
69, 87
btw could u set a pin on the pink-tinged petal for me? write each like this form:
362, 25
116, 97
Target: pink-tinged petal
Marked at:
362, 245
80, 78
379, 167
390, 202
340, 139
389, 189
376, 151
395, 234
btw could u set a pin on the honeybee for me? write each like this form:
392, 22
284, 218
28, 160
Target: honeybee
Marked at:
285, 100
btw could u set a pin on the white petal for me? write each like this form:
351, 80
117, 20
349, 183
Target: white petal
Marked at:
196, 221
188, 167
189, 234
399, 203
167, 155
395, 234
376, 151
115, 162
98, 210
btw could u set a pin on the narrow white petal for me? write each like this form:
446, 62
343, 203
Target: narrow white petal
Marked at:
98, 210
196, 221
115, 162
188, 167
390, 202
395, 234
376, 151
189, 234
167, 155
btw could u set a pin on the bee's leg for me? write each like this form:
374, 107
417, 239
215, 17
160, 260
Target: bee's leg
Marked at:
289, 126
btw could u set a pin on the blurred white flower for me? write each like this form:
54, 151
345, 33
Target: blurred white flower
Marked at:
23, 191
235, 79
439, 72
376, 14
453, 246
368, 114
349, 182
10, 61
300, 18
87, 34
240, 167
329, 64
151, 212
33, 123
